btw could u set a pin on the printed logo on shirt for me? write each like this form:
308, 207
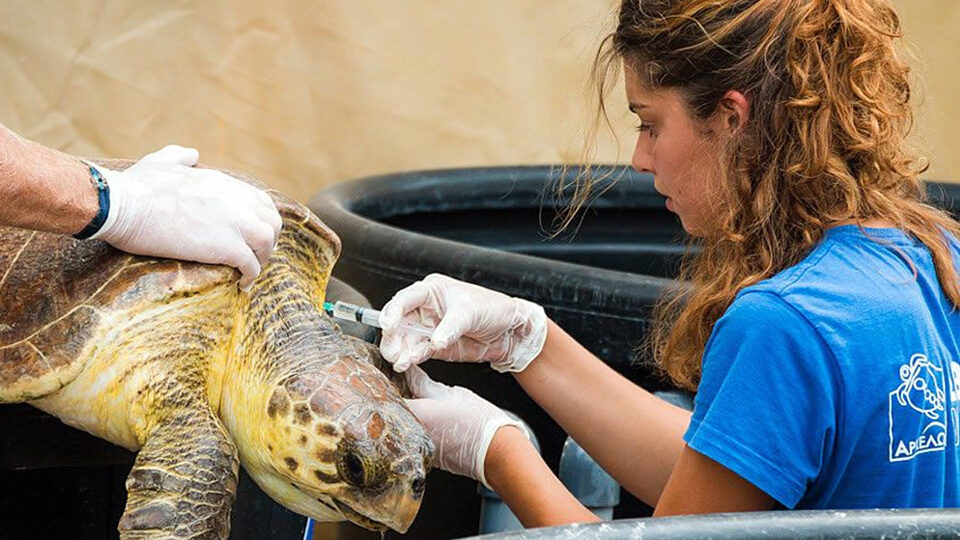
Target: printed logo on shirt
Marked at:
918, 413
955, 401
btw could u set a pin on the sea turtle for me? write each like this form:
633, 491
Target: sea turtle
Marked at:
174, 360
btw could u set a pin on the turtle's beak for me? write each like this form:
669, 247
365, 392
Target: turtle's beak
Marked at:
399, 519
395, 508
408, 496
404, 514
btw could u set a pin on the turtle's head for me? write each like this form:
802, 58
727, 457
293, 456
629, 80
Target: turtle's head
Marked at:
317, 425
339, 443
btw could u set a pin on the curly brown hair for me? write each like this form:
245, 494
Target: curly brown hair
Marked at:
825, 141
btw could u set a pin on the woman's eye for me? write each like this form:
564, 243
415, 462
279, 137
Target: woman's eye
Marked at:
643, 126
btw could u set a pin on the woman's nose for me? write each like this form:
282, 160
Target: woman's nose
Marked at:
641, 162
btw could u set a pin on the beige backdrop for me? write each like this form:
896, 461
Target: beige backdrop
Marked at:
309, 93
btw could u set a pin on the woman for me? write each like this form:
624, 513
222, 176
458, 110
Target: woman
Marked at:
820, 328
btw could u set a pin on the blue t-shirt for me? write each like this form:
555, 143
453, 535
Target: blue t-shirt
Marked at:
836, 383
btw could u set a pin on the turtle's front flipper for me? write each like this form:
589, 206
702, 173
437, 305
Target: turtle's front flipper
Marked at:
183, 481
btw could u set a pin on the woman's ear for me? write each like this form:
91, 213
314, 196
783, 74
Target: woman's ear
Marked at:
733, 111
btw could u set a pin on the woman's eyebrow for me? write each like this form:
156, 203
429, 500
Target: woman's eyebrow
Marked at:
635, 107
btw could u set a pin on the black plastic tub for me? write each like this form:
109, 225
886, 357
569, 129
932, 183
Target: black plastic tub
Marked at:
490, 226
912, 524
487, 226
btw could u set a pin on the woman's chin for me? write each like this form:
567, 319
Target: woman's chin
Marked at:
691, 229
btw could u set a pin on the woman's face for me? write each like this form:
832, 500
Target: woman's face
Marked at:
675, 147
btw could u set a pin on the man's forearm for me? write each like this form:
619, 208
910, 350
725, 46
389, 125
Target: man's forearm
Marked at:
521, 478
632, 434
43, 189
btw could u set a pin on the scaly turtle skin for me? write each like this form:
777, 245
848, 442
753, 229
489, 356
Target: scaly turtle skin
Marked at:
172, 359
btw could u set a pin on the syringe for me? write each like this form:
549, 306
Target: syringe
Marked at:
365, 315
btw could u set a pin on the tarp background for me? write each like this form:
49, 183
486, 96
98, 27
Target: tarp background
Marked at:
304, 94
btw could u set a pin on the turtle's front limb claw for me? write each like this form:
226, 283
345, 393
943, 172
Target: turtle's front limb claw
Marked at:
183, 482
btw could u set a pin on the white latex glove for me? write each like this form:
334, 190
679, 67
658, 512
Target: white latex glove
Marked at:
472, 324
164, 207
461, 423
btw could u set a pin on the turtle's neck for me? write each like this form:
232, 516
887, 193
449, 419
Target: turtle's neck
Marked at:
281, 327
285, 330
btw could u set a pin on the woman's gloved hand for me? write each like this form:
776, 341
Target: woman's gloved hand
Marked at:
164, 207
472, 324
461, 423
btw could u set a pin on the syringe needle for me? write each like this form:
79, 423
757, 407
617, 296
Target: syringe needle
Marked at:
368, 316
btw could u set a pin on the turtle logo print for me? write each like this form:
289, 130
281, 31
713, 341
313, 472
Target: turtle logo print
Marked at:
918, 413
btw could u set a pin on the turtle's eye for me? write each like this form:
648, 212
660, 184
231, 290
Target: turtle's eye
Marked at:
360, 467
350, 467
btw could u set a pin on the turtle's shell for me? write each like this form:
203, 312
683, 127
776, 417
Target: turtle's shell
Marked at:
55, 292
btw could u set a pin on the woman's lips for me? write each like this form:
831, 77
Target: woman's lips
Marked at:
669, 204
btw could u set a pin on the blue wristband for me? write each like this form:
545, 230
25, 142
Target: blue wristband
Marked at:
103, 198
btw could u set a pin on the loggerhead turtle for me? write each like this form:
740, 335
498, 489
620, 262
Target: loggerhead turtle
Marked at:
172, 359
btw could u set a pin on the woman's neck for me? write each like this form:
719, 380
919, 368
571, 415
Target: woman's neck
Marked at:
873, 222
